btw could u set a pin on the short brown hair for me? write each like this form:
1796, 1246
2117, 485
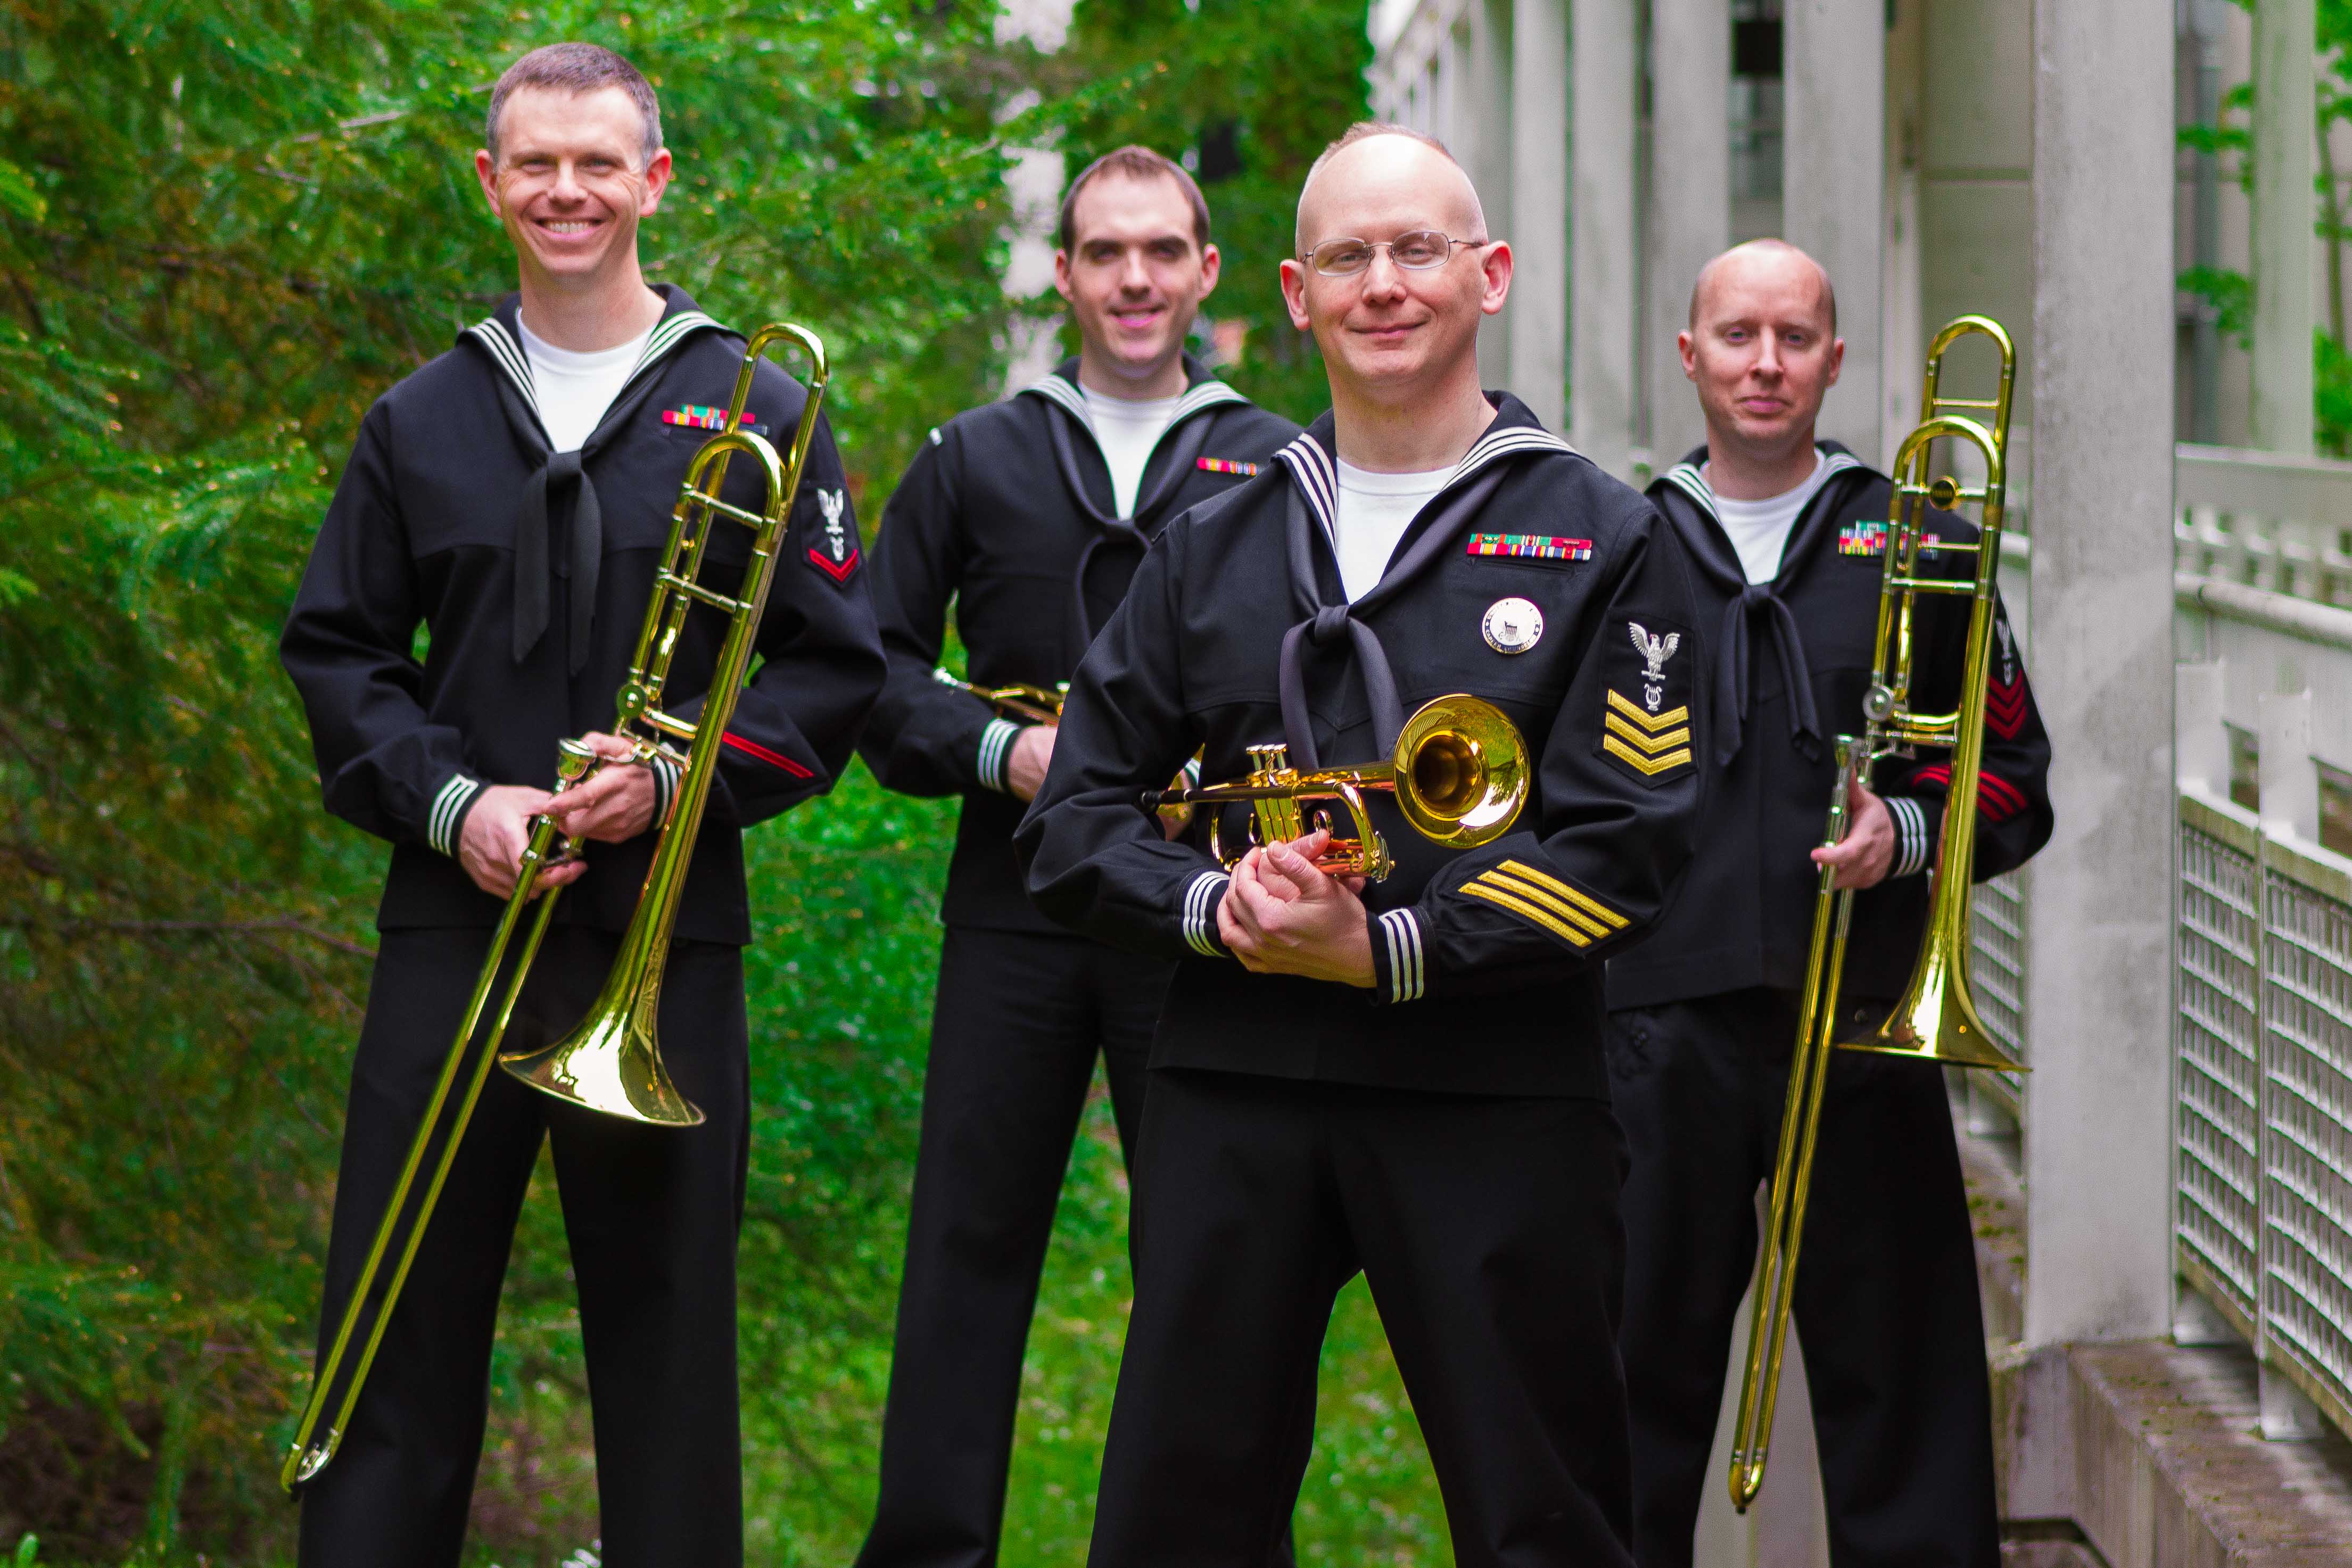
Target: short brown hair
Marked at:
576, 69
1135, 163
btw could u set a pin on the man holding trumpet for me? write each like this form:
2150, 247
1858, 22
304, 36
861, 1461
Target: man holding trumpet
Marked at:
1029, 516
1403, 1075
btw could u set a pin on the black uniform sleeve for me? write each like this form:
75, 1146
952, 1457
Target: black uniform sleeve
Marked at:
1621, 793
1095, 861
2013, 813
924, 737
348, 645
820, 658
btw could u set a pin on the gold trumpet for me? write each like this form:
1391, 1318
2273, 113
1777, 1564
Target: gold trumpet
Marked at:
611, 1062
1459, 774
1936, 1018
1035, 703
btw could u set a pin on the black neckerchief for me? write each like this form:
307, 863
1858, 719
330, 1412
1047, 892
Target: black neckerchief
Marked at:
1710, 548
1191, 433
1314, 500
554, 471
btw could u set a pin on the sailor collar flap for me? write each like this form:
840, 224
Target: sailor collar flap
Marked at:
501, 336
1316, 476
1712, 546
1204, 391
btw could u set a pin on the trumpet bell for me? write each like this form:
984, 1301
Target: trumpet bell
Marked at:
1937, 1020
611, 1062
1461, 771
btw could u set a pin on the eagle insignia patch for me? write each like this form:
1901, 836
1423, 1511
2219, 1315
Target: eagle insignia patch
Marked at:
1645, 722
837, 556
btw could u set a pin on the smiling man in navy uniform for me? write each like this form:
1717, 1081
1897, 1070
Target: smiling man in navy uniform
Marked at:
1402, 1077
1786, 535
513, 497
1027, 516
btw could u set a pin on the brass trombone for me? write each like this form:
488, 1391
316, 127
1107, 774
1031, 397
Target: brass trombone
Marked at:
1459, 774
1032, 702
1936, 1018
611, 1062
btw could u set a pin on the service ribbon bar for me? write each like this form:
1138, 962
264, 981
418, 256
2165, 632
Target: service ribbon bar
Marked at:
1870, 538
1531, 546
1228, 466
695, 417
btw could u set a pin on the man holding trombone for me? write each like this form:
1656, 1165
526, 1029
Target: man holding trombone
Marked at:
514, 497
1383, 1054
1788, 537
1028, 516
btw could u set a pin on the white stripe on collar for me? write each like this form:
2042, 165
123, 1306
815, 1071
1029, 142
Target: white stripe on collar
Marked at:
1318, 480
1686, 477
1208, 393
667, 333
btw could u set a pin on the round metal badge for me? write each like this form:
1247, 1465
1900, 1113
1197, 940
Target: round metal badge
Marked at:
1512, 625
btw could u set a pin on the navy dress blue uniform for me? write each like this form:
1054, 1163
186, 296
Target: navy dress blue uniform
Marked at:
1703, 1022
529, 572
1007, 514
1447, 1131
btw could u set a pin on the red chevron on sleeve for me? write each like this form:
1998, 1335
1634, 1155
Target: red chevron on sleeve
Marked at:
2005, 705
773, 759
839, 570
1997, 798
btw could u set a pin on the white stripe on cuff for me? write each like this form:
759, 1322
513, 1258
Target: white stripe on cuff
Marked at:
441, 822
1910, 836
995, 744
1408, 976
1201, 897
665, 773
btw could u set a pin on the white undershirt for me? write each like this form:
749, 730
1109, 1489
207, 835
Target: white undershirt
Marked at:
1374, 509
574, 389
1758, 530
1127, 430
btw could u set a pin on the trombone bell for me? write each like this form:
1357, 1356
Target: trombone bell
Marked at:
612, 1063
1936, 1019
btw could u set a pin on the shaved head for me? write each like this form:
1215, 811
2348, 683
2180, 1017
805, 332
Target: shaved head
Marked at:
1391, 154
1766, 261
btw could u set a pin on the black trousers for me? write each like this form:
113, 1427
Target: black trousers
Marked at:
1488, 1229
651, 1214
1019, 1020
1886, 1303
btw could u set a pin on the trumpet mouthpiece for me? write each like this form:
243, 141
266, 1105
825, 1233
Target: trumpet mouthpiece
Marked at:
1151, 799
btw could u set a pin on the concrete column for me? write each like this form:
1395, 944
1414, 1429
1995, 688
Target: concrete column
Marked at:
1483, 142
2285, 150
1690, 194
2099, 1102
1539, 218
1602, 64
1833, 186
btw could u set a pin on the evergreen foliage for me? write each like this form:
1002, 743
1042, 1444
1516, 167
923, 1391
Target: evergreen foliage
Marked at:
223, 229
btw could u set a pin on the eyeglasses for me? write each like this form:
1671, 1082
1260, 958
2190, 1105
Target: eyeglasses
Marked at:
1417, 252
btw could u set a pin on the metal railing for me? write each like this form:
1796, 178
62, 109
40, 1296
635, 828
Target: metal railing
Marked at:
2263, 1093
2263, 519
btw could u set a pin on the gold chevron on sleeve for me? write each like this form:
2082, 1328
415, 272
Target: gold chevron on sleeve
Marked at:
1650, 722
1527, 912
1502, 882
1559, 889
1647, 766
1648, 744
